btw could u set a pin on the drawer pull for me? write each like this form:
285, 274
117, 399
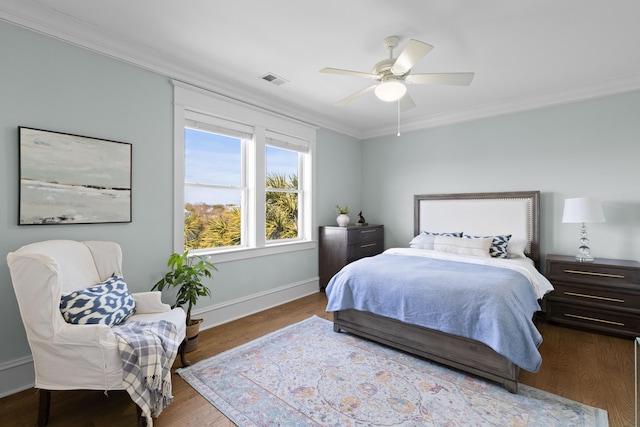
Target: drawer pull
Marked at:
367, 246
592, 273
575, 294
368, 231
594, 319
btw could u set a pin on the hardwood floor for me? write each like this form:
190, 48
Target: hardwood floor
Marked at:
591, 368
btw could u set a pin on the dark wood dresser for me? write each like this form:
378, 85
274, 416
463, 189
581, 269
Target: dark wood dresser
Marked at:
603, 295
341, 245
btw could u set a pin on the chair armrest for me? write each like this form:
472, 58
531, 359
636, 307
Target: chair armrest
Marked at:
85, 335
150, 302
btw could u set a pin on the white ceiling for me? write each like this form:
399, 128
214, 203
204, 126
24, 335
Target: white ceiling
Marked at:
525, 53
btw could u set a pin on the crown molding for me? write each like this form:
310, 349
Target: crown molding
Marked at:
61, 27
623, 84
47, 21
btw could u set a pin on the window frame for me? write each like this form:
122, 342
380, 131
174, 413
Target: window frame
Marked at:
266, 126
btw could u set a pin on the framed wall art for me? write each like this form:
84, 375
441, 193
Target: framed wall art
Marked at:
73, 179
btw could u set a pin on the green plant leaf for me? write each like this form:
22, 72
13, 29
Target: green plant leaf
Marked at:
186, 274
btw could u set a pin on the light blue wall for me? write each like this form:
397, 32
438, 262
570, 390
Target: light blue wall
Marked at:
51, 85
588, 148
339, 176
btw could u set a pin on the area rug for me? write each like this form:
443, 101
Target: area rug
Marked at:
306, 374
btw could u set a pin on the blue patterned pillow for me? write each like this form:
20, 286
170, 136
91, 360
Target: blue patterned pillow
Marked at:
498, 248
107, 303
454, 234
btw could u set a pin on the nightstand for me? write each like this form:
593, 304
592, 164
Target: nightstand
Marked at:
603, 295
341, 245
635, 370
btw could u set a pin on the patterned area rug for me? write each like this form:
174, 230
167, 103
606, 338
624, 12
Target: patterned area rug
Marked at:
306, 374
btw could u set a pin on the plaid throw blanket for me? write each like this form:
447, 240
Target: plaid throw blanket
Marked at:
148, 350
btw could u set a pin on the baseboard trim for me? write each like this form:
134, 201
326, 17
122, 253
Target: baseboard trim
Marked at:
17, 375
235, 309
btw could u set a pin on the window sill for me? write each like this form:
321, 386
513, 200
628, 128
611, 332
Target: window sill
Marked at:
246, 253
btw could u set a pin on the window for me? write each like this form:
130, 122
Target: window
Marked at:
282, 194
284, 179
214, 187
241, 188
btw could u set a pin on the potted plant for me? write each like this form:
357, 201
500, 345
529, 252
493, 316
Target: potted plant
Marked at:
343, 219
186, 274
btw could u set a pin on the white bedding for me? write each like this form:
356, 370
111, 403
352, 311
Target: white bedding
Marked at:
524, 266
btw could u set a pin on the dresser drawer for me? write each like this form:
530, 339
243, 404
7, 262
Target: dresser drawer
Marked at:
363, 249
592, 273
594, 318
365, 235
603, 296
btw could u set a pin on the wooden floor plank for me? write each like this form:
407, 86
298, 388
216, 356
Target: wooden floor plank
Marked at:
595, 369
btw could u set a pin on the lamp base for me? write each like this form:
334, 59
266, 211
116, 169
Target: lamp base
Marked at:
584, 252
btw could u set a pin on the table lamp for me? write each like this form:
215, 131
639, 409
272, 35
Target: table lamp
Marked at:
583, 210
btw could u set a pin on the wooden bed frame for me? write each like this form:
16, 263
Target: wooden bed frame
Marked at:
472, 213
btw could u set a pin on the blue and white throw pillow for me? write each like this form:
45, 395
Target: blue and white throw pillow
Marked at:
499, 245
452, 234
107, 303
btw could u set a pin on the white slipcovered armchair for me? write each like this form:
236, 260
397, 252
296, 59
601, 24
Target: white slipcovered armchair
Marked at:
71, 356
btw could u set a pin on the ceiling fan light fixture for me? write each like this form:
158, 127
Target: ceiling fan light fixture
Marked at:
390, 90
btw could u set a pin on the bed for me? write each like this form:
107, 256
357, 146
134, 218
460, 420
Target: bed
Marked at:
474, 214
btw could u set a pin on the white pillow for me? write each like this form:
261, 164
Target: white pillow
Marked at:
461, 246
425, 239
422, 241
515, 249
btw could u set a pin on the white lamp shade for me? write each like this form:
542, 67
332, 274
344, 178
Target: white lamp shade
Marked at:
391, 90
583, 209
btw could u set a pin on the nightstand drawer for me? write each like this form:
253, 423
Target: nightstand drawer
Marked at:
365, 235
597, 273
594, 318
594, 295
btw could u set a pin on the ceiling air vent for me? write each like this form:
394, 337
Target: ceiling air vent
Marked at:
272, 78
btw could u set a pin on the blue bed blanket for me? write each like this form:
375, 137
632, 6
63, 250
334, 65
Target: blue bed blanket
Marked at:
486, 303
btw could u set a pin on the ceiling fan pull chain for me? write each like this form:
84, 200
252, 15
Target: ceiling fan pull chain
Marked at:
398, 118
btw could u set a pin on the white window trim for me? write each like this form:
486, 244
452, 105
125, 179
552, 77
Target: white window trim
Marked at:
267, 123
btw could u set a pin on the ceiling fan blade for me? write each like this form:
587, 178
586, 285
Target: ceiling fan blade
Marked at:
406, 102
411, 54
329, 70
356, 95
458, 79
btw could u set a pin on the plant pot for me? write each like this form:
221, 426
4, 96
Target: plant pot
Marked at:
343, 220
192, 335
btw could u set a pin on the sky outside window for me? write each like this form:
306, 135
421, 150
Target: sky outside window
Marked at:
216, 159
212, 159
281, 162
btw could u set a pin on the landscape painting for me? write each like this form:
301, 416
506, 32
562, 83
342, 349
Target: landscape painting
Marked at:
73, 179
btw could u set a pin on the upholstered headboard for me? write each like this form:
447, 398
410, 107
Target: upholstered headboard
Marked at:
516, 213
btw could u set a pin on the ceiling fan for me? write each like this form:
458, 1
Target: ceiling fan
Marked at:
392, 74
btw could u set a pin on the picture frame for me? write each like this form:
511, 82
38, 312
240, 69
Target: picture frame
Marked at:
73, 179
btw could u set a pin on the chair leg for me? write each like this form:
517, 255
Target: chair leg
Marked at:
142, 421
181, 350
45, 405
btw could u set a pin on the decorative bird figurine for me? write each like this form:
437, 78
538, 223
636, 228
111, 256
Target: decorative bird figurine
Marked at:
361, 220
